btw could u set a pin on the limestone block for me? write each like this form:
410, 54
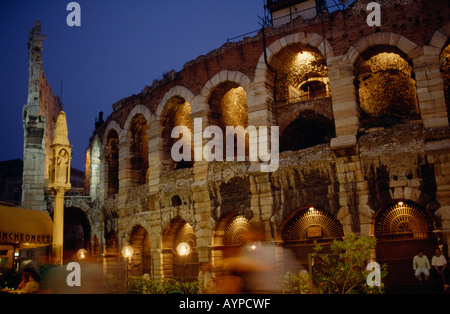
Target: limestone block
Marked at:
438, 40
275, 47
314, 39
223, 76
351, 55
362, 45
300, 38
344, 82
431, 51
394, 39
406, 45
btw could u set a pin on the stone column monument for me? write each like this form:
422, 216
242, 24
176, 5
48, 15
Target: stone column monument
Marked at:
59, 183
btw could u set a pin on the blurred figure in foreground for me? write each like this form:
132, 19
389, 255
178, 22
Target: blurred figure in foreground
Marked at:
258, 268
57, 280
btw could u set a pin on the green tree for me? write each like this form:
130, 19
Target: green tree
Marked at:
344, 270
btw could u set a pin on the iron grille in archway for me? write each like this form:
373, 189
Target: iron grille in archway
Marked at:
235, 231
312, 225
401, 230
403, 219
304, 230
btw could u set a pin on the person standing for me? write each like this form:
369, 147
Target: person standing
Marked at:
421, 265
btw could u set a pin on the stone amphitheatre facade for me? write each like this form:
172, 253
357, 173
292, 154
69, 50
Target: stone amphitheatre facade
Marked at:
364, 144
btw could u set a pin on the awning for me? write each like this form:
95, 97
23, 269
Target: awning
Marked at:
24, 227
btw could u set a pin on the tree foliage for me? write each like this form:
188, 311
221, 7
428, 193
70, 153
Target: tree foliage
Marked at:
344, 271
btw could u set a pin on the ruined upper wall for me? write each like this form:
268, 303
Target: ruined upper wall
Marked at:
415, 20
39, 119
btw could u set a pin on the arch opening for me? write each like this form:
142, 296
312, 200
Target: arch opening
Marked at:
138, 150
177, 112
141, 261
77, 232
401, 229
386, 87
112, 163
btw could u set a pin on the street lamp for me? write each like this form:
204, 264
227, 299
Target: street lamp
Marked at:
81, 254
127, 253
183, 249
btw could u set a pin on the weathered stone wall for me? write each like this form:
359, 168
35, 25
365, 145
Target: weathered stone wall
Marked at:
355, 175
39, 120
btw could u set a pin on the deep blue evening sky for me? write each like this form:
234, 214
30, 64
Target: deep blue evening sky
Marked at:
120, 47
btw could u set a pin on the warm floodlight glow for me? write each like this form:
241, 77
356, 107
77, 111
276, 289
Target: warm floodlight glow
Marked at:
127, 251
400, 203
305, 57
81, 254
183, 249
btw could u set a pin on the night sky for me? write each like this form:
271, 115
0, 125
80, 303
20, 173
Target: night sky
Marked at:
120, 47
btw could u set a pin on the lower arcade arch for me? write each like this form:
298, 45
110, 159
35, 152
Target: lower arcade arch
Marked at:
229, 237
402, 228
141, 262
304, 229
179, 264
77, 232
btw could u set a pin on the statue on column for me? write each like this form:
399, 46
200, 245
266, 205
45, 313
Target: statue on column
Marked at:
59, 183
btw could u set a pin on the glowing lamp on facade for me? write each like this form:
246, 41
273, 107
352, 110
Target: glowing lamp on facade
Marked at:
127, 251
183, 249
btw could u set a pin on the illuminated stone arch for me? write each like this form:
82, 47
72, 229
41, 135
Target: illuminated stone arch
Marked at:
309, 225
139, 109
174, 110
410, 49
236, 77
141, 261
294, 83
385, 83
111, 159
229, 235
134, 139
264, 76
302, 229
177, 91
174, 265
424, 61
224, 101
401, 228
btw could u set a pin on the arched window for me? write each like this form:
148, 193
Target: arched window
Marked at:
141, 261
176, 112
112, 163
295, 66
139, 150
385, 84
